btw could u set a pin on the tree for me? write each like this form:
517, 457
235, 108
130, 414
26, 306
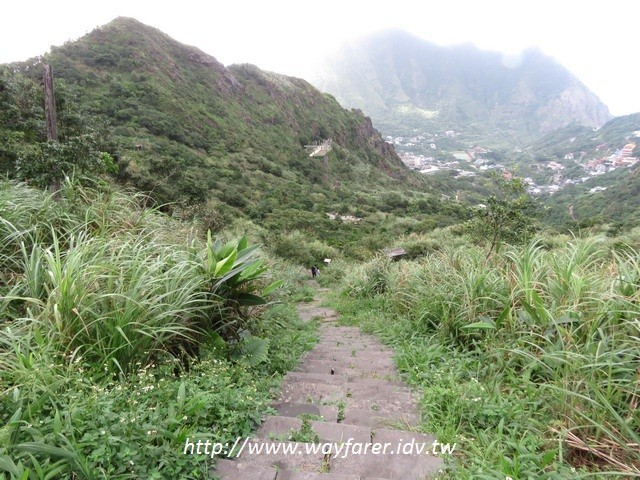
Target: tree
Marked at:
509, 215
47, 163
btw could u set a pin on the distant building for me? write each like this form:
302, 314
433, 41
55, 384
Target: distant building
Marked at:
461, 156
555, 166
627, 150
430, 169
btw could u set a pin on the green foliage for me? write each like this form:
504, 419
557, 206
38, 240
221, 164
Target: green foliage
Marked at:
508, 216
526, 362
233, 271
94, 293
50, 162
216, 144
117, 298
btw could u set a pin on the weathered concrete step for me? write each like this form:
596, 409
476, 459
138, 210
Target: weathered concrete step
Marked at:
351, 350
353, 362
282, 455
311, 311
355, 395
232, 470
380, 418
342, 341
355, 345
401, 455
309, 392
282, 428
325, 366
390, 467
328, 412
345, 330
344, 380
338, 331
330, 384
286, 475
346, 337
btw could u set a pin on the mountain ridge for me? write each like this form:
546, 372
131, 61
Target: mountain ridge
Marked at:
228, 143
457, 87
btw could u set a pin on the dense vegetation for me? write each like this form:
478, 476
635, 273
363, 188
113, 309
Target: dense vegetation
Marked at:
219, 143
131, 321
124, 332
529, 360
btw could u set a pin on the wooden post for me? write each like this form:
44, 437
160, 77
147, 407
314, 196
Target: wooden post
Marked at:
49, 104
50, 119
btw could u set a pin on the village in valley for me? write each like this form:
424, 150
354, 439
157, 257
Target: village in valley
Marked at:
475, 160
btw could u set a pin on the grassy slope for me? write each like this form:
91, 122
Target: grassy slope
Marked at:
93, 289
529, 363
227, 143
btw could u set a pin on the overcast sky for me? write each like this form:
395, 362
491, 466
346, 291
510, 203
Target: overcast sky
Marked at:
597, 41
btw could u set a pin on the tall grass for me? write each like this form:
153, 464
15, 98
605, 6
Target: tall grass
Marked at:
114, 293
97, 295
550, 331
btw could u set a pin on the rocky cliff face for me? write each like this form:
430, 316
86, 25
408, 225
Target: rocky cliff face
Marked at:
575, 104
405, 83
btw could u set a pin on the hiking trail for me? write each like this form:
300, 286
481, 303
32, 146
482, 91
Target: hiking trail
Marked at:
345, 392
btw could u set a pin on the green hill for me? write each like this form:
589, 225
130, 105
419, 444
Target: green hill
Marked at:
226, 142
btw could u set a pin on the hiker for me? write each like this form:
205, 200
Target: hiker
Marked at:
314, 271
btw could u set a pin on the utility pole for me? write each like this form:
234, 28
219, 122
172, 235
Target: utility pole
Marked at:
50, 118
49, 104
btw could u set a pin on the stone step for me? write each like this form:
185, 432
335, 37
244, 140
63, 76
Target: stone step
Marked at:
356, 345
310, 392
353, 362
329, 413
283, 455
330, 385
346, 330
380, 418
388, 466
337, 332
311, 311
336, 336
232, 470
282, 428
325, 366
287, 475
344, 380
350, 350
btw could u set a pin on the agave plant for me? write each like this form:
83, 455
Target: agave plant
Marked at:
236, 273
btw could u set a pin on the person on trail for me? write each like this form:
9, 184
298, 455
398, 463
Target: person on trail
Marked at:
314, 271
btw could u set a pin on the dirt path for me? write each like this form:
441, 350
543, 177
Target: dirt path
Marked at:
346, 395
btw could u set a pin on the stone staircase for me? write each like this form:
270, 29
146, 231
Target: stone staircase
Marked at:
346, 397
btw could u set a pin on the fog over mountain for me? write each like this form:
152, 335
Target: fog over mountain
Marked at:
406, 84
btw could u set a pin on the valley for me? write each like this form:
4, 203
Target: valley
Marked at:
476, 225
